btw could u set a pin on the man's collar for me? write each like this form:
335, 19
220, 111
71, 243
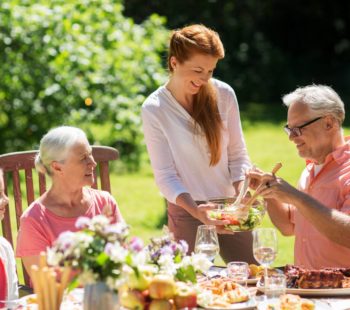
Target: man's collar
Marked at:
340, 154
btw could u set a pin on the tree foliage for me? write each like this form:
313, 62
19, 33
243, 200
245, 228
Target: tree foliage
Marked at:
272, 46
76, 62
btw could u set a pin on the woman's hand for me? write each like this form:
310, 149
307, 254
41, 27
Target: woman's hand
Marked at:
203, 216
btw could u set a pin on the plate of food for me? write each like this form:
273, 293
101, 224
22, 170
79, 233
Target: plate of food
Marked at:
29, 302
289, 301
316, 282
240, 218
312, 291
223, 293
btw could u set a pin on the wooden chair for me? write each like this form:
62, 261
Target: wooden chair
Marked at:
13, 163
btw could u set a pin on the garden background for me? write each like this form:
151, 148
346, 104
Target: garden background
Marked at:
91, 64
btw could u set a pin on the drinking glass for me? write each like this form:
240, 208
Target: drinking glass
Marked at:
275, 285
238, 271
207, 241
265, 247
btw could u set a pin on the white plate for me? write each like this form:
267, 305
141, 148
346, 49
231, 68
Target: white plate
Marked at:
250, 304
319, 305
27, 301
314, 291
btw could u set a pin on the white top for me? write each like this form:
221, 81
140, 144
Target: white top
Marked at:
8, 257
180, 159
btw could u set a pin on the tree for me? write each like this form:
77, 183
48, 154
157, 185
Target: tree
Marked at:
76, 62
272, 46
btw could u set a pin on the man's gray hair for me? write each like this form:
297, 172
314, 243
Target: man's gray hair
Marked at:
55, 145
319, 98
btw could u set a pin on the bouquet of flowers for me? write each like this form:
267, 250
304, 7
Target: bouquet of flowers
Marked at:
99, 250
103, 252
170, 257
162, 274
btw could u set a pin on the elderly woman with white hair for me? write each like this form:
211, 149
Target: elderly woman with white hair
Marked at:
318, 212
66, 156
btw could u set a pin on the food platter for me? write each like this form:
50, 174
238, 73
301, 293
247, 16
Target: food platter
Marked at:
250, 304
319, 292
314, 291
319, 305
223, 293
29, 302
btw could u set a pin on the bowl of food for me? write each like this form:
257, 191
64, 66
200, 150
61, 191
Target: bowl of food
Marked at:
241, 217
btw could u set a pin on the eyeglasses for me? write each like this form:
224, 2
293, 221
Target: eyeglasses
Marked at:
296, 131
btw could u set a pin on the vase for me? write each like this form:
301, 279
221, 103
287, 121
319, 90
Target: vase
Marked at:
99, 296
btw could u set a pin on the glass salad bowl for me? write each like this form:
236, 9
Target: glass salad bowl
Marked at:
240, 217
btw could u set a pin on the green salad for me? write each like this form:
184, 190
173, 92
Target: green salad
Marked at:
237, 223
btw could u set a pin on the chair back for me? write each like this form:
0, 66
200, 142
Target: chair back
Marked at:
14, 163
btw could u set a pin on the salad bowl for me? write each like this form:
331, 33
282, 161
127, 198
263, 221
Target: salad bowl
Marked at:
239, 217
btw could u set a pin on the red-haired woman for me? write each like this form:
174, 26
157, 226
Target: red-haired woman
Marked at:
194, 139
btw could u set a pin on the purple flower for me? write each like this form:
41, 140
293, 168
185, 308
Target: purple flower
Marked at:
108, 248
184, 246
173, 247
82, 222
136, 244
167, 250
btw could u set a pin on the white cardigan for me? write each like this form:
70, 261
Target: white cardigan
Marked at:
180, 159
6, 254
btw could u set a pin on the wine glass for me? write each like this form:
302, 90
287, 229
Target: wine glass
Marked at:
265, 247
207, 241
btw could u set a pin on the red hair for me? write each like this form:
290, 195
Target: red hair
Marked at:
184, 43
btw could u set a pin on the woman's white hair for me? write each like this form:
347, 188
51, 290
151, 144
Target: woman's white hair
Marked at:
55, 145
319, 98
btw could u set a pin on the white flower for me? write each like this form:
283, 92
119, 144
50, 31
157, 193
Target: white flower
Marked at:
83, 222
99, 221
53, 257
200, 262
116, 252
116, 231
167, 265
141, 258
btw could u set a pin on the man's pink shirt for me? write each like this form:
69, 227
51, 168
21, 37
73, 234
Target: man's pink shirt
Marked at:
39, 227
331, 187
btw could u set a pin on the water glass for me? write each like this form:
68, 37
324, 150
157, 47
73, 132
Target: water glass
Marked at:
207, 241
275, 285
238, 271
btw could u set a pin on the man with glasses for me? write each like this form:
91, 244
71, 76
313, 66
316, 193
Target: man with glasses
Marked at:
318, 212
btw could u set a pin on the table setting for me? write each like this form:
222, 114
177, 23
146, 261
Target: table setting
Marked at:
110, 270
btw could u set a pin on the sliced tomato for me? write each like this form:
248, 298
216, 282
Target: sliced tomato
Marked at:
230, 218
